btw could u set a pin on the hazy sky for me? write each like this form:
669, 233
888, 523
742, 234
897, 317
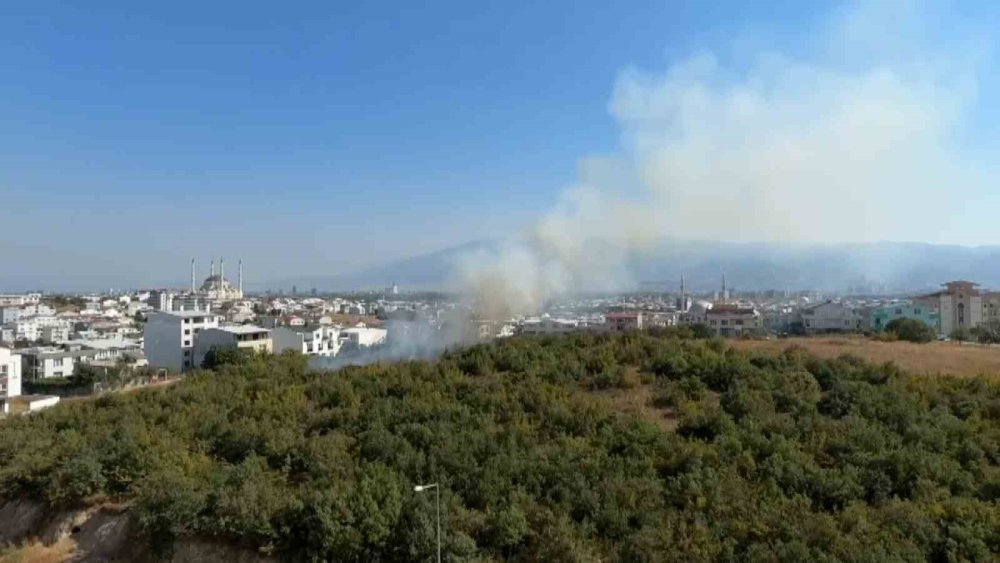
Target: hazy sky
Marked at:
317, 137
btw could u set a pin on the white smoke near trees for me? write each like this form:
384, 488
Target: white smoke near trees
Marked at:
819, 145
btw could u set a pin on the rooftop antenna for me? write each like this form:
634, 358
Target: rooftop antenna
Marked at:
192, 275
241, 277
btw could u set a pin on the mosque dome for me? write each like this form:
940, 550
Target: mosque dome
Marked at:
215, 283
216, 287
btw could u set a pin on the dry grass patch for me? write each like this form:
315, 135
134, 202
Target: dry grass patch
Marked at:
638, 401
37, 552
949, 358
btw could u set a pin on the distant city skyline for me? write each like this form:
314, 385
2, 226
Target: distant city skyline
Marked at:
321, 139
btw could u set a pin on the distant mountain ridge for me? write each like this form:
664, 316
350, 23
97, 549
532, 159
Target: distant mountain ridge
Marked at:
892, 266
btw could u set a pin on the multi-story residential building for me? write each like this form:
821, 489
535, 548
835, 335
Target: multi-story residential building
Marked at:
169, 337
546, 325
20, 300
42, 363
9, 314
362, 336
623, 321
732, 320
960, 306
243, 337
829, 316
54, 333
991, 308
312, 340
161, 300
10, 378
877, 318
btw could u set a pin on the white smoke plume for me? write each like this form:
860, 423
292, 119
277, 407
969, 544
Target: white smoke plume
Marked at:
847, 139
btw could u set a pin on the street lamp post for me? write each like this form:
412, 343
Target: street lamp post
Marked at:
437, 501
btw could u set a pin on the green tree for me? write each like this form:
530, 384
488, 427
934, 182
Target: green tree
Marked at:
961, 334
911, 330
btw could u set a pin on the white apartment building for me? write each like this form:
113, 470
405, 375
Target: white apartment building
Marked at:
9, 314
20, 300
41, 363
169, 337
245, 337
546, 325
30, 328
312, 340
10, 378
363, 336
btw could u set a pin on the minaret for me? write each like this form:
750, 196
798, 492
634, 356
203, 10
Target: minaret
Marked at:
240, 278
682, 302
212, 271
725, 294
222, 271
192, 275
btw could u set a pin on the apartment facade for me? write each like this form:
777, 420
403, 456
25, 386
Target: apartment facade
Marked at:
625, 321
959, 304
877, 318
42, 363
243, 337
732, 320
10, 378
311, 340
828, 317
169, 337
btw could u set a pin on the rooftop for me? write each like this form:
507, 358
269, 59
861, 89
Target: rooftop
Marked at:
186, 314
243, 329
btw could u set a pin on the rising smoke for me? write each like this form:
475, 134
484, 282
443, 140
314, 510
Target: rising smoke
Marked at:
849, 138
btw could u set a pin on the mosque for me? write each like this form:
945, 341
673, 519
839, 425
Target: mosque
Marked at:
216, 288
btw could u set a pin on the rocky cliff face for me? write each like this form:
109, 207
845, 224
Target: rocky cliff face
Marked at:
33, 531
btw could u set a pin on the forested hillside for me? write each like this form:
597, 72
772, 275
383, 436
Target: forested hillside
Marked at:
783, 457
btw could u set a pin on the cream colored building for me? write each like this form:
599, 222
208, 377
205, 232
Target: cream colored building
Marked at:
960, 305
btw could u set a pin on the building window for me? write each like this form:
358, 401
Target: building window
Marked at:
187, 332
187, 342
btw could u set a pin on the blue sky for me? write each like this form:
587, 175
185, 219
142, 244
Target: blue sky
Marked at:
318, 137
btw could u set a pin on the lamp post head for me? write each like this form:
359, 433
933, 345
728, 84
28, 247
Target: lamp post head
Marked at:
422, 488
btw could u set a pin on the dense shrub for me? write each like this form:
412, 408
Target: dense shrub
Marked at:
911, 330
784, 457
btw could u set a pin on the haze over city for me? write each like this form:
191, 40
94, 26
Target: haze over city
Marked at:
313, 142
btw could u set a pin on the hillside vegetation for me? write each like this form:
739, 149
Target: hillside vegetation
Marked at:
772, 457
